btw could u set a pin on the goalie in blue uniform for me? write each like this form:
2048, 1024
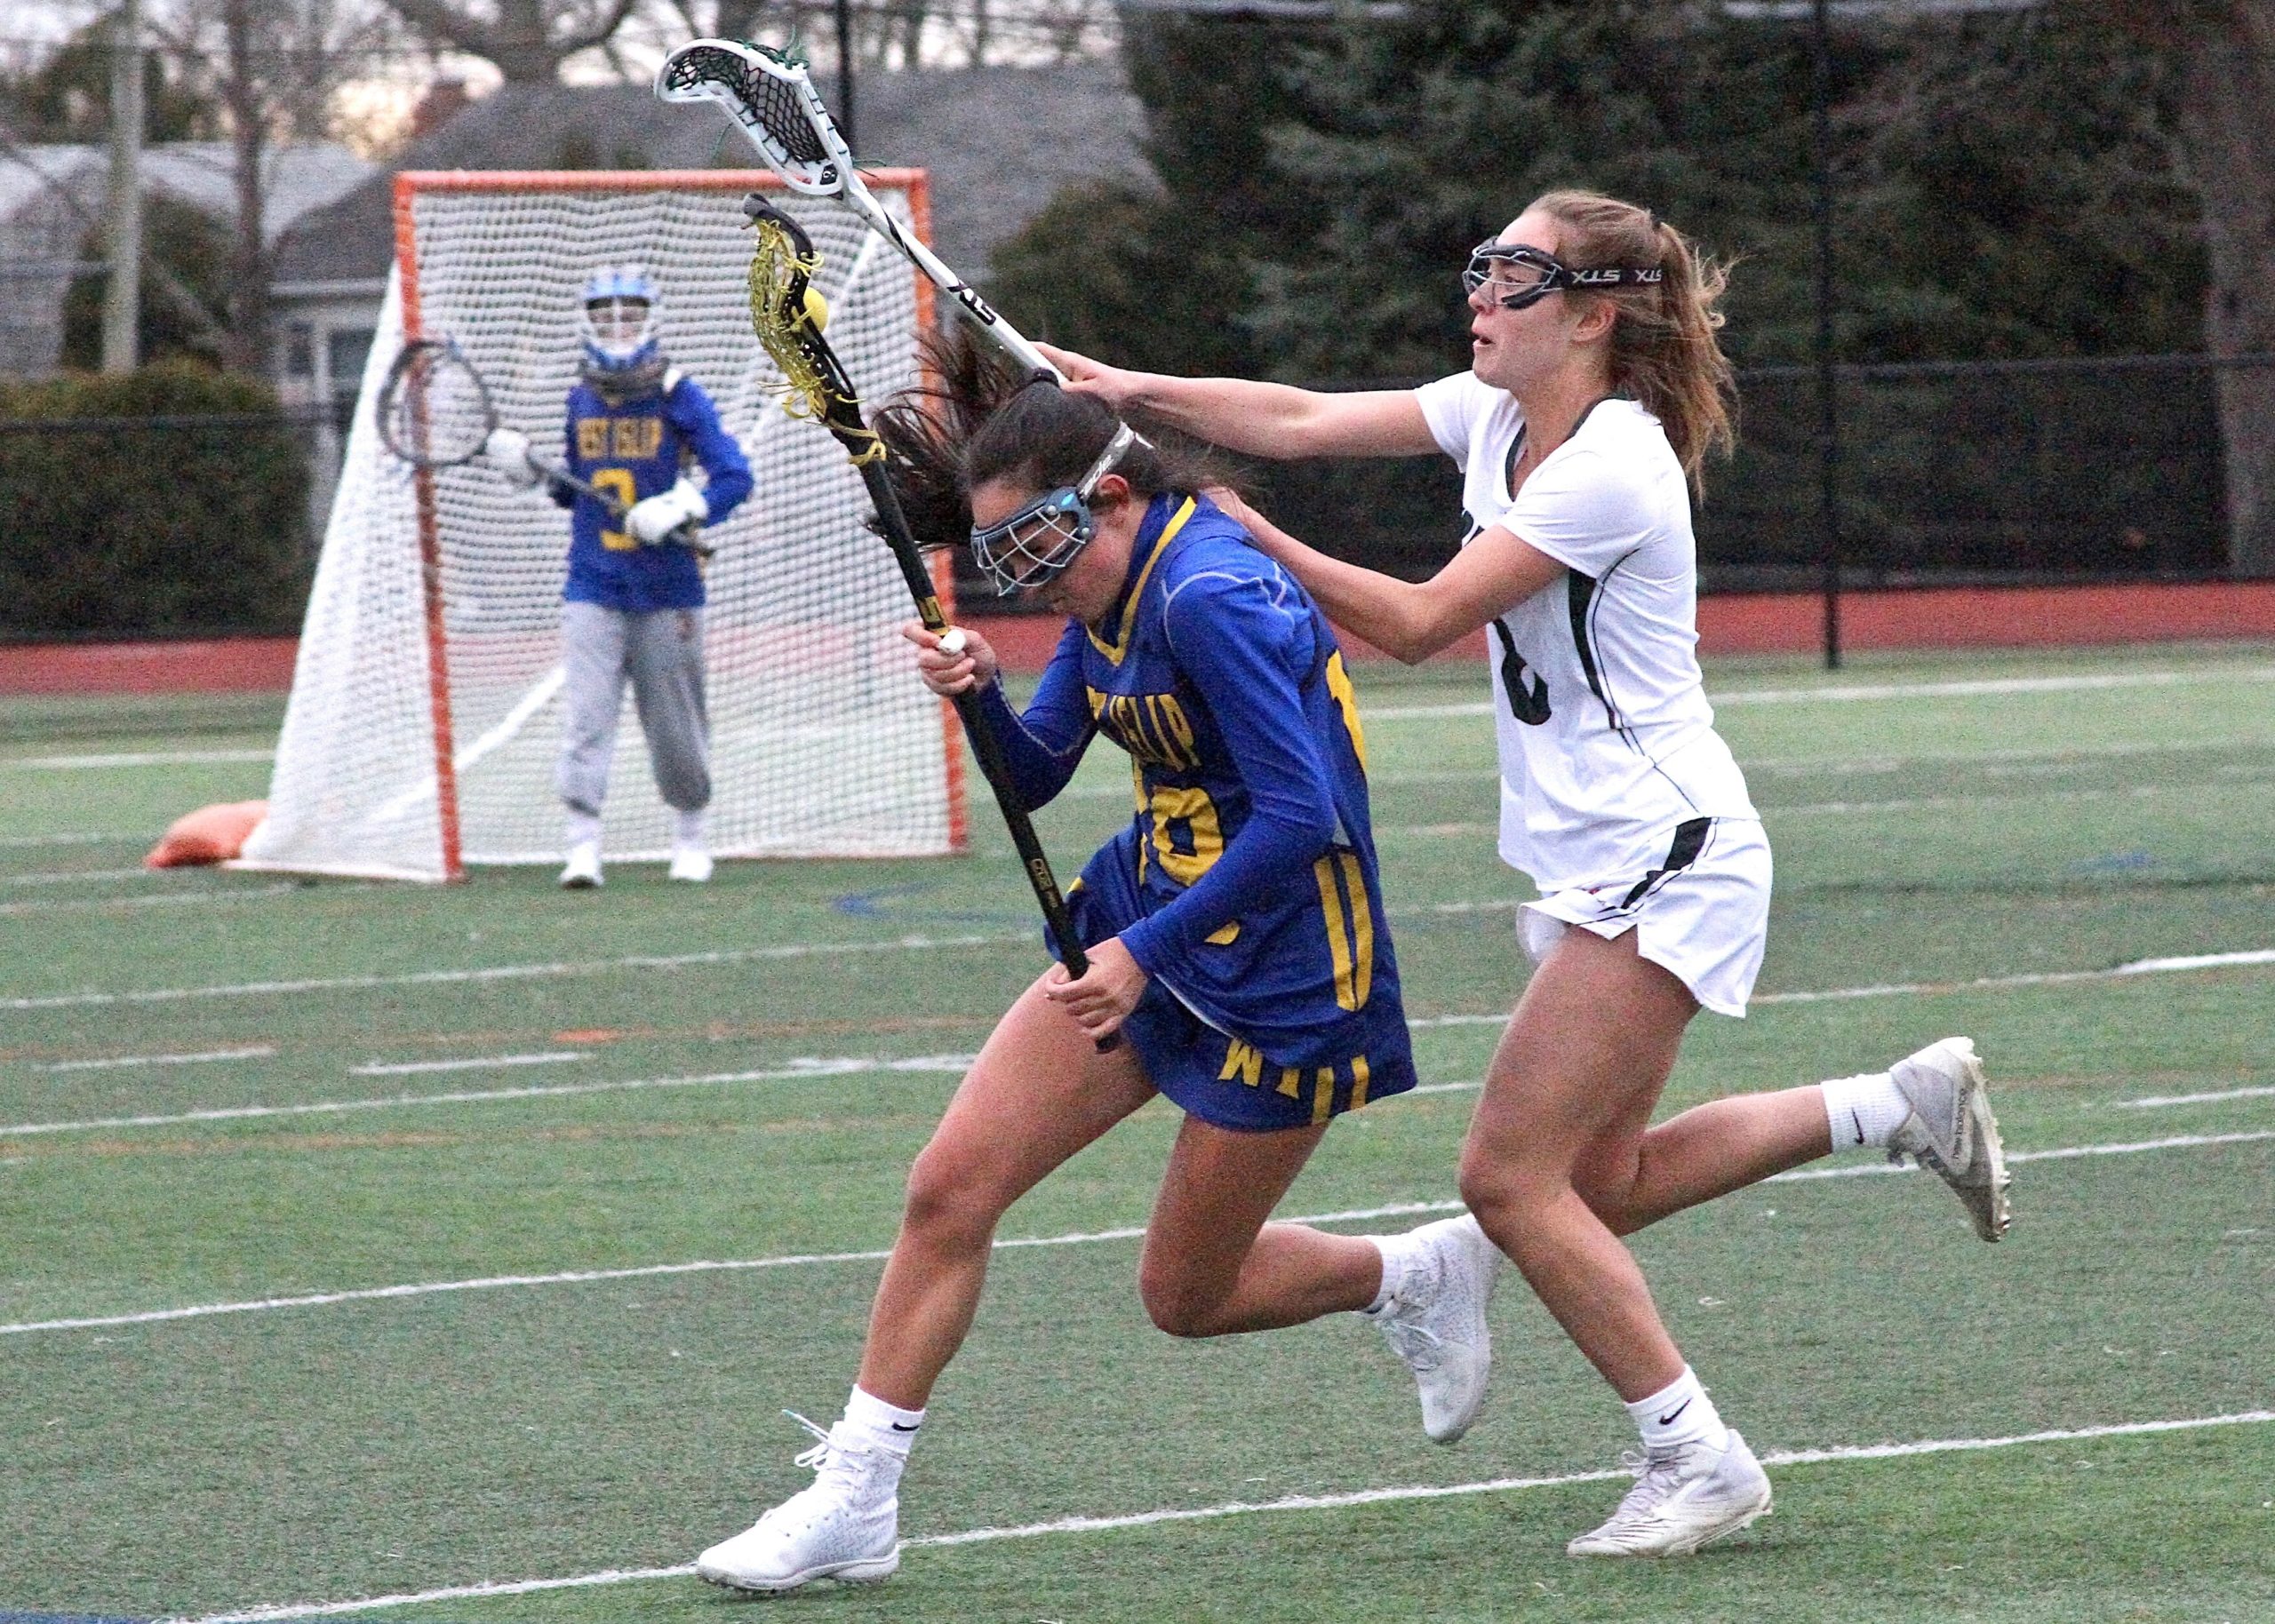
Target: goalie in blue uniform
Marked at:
1235, 935
633, 606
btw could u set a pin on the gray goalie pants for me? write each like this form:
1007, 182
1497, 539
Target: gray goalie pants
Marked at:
660, 653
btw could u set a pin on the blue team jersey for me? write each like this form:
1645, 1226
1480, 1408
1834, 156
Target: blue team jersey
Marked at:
635, 449
1246, 883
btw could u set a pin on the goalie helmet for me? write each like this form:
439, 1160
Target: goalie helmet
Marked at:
617, 322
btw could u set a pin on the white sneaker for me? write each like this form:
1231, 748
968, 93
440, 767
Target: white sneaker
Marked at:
837, 1528
1436, 1322
1684, 1497
690, 862
1951, 1132
582, 871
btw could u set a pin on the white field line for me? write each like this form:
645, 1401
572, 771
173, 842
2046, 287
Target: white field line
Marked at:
148, 758
64, 877
502, 972
805, 1066
259, 1051
477, 1063
1852, 692
956, 1063
2151, 1102
1837, 1454
200, 897
79, 838
372, 1293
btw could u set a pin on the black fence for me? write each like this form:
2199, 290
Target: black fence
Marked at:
1959, 472
1947, 473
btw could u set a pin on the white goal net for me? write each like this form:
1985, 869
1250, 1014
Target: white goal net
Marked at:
425, 716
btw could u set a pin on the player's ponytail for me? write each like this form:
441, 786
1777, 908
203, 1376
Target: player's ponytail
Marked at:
976, 419
1663, 348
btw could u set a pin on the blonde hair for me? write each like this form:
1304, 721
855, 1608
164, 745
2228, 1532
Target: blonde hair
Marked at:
1664, 351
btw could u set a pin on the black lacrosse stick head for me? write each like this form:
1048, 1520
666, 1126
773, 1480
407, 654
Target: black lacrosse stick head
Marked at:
766, 90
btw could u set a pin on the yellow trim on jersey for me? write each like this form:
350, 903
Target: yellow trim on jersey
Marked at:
1350, 927
1322, 1095
1346, 700
1120, 646
1362, 925
1359, 1076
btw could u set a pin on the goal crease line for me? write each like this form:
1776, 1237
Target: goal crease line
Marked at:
1833, 1455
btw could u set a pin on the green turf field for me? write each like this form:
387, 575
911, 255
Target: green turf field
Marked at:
485, 1095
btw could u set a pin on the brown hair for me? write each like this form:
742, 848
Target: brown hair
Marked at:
1664, 351
974, 419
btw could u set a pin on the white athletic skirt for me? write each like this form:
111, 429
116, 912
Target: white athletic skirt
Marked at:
1702, 914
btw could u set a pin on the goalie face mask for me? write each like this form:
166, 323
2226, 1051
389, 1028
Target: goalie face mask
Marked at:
1515, 275
1043, 537
618, 321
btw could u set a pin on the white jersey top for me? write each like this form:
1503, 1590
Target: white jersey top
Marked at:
1606, 741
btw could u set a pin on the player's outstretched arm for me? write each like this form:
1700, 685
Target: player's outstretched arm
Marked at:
1259, 419
1043, 745
1407, 620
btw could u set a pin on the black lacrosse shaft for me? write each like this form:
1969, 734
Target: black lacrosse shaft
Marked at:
986, 747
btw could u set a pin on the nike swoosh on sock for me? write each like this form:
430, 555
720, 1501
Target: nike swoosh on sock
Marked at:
1668, 1419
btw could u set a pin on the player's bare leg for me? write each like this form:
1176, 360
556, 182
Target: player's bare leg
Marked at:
1213, 1266
1039, 1092
1563, 1081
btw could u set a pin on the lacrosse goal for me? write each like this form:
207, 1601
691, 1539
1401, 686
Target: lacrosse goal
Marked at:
425, 712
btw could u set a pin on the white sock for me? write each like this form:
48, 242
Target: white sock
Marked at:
1398, 1261
687, 827
1863, 1111
581, 827
1679, 1413
887, 1430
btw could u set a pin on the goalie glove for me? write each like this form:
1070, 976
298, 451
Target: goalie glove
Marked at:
507, 451
653, 518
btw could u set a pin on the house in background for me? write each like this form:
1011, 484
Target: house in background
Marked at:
53, 195
999, 142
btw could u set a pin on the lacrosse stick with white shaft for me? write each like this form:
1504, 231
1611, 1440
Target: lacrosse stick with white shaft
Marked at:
777, 106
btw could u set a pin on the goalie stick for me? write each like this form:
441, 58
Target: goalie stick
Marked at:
775, 104
435, 411
815, 385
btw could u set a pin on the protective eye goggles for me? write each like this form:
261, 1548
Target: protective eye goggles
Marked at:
1514, 275
616, 320
1046, 535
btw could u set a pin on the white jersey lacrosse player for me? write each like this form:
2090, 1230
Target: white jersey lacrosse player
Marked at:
1617, 797
1596, 389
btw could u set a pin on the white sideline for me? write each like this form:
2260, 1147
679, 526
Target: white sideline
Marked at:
372, 1294
1833, 1455
257, 1051
145, 758
472, 1063
77, 876
2150, 1102
166, 899
817, 1066
802, 1067
1851, 693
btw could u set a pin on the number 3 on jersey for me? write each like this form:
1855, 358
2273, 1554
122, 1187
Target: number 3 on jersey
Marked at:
617, 482
1528, 700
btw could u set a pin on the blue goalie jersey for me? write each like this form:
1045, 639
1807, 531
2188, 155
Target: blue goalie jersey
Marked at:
1246, 883
634, 449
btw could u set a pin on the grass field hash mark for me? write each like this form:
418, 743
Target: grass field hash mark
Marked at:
374, 1293
1834, 1455
472, 1063
257, 1051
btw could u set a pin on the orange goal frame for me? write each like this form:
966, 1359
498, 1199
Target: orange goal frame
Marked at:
914, 183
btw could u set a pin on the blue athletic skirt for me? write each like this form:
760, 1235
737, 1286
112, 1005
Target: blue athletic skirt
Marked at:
1216, 1076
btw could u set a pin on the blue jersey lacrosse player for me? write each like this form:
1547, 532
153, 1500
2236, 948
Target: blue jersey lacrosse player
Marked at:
1235, 936
632, 608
